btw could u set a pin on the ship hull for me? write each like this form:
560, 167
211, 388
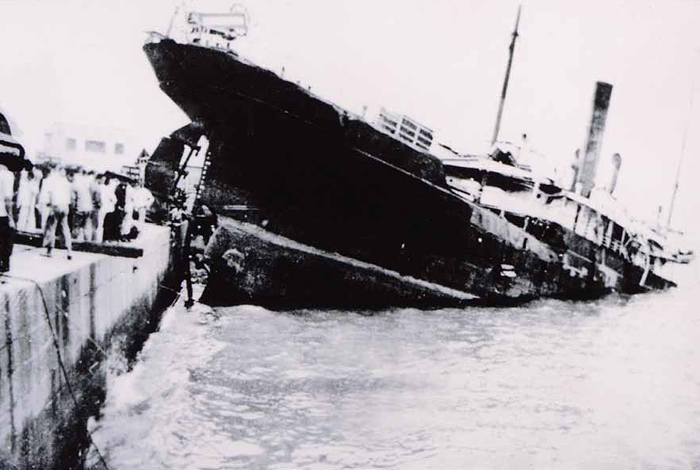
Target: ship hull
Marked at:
333, 182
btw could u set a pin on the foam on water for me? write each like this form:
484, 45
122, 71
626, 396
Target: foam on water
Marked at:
553, 384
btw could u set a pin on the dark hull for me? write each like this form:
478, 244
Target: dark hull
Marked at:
335, 183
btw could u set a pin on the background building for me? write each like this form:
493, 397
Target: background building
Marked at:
137, 170
92, 147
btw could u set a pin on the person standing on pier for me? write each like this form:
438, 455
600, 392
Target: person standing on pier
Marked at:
143, 199
26, 201
129, 208
108, 205
82, 228
42, 201
96, 194
7, 221
116, 224
58, 191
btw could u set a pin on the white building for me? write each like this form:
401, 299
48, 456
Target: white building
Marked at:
89, 146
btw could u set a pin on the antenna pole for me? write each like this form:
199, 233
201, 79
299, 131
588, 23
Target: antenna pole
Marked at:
172, 20
507, 78
680, 160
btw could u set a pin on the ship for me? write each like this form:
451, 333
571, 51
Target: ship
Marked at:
319, 206
12, 153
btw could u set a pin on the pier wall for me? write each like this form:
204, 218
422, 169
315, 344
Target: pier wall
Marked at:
90, 312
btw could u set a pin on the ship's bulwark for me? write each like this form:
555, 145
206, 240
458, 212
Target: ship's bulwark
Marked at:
334, 183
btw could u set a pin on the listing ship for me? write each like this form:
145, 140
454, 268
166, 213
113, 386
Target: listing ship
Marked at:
407, 227
12, 154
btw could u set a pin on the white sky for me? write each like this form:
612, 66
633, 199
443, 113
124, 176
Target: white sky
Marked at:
441, 62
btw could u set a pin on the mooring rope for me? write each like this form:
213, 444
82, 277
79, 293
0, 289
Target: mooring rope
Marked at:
60, 359
179, 294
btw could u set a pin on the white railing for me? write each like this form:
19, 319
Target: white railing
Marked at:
217, 30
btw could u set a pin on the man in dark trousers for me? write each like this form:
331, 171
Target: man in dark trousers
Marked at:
120, 209
115, 219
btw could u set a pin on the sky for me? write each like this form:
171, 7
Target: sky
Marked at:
441, 62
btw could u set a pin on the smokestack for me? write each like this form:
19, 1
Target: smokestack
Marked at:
594, 137
616, 161
576, 167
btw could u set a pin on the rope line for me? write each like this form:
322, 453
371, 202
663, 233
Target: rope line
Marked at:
64, 313
60, 359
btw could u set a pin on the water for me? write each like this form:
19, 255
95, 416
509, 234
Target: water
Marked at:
603, 385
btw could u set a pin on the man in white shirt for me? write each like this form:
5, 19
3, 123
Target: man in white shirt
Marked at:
107, 204
43, 199
129, 206
82, 229
59, 194
7, 221
96, 195
143, 199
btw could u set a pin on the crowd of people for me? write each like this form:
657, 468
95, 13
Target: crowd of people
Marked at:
81, 204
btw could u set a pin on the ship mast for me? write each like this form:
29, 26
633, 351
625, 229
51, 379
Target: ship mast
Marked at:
172, 20
680, 160
507, 78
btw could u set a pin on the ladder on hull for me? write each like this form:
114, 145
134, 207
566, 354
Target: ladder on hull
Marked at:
202, 177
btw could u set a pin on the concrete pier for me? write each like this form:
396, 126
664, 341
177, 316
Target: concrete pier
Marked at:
84, 312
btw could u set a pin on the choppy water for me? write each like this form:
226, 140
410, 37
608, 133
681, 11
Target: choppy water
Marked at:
609, 384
